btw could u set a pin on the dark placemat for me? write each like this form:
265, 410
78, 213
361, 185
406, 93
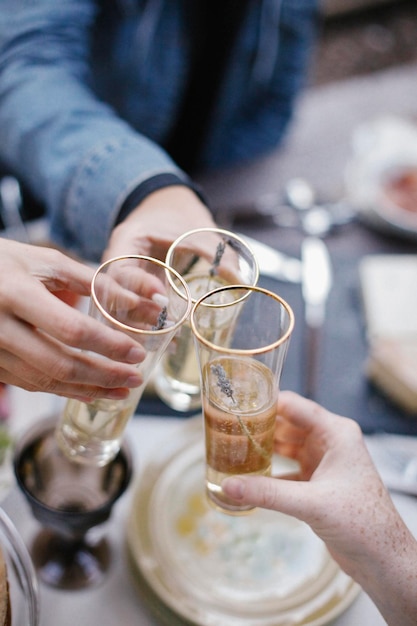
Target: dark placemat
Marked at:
342, 384
343, 387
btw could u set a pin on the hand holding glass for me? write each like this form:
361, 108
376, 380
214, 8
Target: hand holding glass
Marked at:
146, 299
206, 258
241, 335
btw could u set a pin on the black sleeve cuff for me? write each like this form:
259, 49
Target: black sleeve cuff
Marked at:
159, 181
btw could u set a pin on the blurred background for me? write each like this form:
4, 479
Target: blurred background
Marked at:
362, 81
363, 36
358, 39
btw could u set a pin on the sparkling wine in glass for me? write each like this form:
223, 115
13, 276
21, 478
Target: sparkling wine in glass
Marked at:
240, 375
206, 258
149, 301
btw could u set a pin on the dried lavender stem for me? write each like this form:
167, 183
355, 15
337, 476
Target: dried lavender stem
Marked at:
217, 257
162, 318
226, 387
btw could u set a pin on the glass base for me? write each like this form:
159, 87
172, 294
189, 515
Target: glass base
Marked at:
97, 453
69, 564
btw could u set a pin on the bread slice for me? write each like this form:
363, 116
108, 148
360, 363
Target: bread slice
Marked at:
388, 285
392, 367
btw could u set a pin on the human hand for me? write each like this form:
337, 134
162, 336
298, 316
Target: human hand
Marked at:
160, 218
46, 345
339, 493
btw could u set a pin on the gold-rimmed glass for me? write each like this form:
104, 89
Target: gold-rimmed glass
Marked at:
207, 258
241, 336
144, 298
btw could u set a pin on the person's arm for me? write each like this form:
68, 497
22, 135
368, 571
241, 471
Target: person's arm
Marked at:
47, 345
340, 494
73, 150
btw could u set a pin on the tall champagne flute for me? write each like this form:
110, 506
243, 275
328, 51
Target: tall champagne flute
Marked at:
206, 258
241, 335
144, 298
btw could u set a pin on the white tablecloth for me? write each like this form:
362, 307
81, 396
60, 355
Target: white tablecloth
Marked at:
116, 601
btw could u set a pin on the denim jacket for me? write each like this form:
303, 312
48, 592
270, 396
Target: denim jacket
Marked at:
89, 90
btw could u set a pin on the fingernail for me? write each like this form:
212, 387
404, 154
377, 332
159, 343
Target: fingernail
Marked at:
136, 355
160, 299
234, 487
134, 381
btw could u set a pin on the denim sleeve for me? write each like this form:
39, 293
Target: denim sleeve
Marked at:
73, 151
269, 69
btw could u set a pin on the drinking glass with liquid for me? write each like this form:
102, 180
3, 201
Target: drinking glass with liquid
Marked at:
207, 258
240, 375
144, 298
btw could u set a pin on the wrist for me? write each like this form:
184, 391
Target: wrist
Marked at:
176, 208
150, 186
387, 572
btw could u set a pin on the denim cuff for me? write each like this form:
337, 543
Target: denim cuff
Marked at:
146, 187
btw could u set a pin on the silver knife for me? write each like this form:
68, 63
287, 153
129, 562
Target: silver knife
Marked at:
273, 263
315, 284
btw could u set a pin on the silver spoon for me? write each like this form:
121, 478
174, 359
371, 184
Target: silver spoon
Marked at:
315, 220
300, 194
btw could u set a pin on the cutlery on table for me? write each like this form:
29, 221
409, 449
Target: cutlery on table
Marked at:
273, 263
295, 207
316, 282
315, 219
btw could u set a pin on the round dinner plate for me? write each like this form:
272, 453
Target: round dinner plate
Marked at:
195, 565
381, 147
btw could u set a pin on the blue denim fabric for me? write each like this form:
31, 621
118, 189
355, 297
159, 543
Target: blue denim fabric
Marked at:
89, 90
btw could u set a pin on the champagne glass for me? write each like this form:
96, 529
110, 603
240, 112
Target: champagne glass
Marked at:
69, 500
149, 301
206, 258
241, 335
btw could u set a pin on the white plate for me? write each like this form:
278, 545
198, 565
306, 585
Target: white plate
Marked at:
381, 146
197, 566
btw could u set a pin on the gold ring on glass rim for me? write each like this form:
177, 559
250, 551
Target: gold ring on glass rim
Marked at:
169, 271
248, 288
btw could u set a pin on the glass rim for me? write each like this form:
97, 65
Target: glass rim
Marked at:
220, 231
241, 351
169, 270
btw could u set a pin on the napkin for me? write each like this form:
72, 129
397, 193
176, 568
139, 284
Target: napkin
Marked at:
389, 293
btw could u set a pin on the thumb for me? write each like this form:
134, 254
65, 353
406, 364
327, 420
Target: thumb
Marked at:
285, 496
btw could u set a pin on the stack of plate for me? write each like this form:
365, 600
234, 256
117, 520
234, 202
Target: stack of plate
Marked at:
195, 565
